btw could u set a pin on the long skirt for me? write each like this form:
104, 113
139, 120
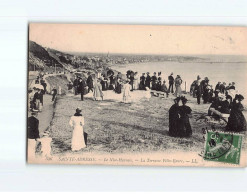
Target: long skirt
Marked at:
178, 91
77, 141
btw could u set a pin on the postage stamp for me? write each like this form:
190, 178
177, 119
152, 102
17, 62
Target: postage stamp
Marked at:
223, 147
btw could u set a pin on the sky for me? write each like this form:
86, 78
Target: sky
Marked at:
141, 39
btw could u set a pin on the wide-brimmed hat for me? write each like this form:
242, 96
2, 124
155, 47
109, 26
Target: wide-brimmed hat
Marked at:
183, 99
78, 109
177, 99
239, 97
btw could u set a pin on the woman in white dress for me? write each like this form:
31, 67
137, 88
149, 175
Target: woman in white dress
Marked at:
136, 81
77, 122
126, 92
178, 82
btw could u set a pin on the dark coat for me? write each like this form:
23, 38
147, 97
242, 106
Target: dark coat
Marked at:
90, 82
236, 121
171, 79
81, 86
148, 80
184, 123
33, 128
142, 82
174, 120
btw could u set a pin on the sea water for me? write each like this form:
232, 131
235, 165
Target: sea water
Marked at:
216, 71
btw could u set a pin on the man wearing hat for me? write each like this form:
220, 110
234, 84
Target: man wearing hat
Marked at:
90, 82
171, 83
81, 87
32, 133
148, 80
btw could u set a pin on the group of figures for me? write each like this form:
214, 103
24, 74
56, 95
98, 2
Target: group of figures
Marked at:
224, 102
179, 124
36, 94
158, 83
202, 89
36, 102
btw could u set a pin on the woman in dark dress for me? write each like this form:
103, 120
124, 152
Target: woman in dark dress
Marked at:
236, 121
118, 86
142, 82
158, 86
174, 116
184, 122
103, 82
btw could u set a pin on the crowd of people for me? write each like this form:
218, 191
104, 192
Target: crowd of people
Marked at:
225, 102
35, 105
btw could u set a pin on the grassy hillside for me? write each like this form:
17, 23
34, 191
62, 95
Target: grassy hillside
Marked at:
40, 58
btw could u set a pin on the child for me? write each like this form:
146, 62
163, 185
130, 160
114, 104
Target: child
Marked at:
46, 144
147, 93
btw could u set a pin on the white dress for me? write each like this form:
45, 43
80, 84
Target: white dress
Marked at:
77, 141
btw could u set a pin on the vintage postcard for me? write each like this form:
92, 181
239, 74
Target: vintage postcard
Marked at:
146, 95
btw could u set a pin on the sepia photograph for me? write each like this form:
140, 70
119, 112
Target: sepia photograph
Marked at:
143, 95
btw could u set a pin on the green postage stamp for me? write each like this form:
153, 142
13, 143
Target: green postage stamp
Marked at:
223, 147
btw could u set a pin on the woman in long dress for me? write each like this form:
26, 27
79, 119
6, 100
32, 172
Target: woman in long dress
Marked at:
97, 93
174, 116
136, 81
185, 127
126, 91
77, 122
178, 82
118, 86
236, 121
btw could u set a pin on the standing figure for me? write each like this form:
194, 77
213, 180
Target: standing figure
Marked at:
75, 84
236, 121
132, 77
198, 89
192, 88
118, 86
142, 82
43, 83
81, 87
171, 83
111, 86
32, 134
54, 93
90, 82
174, 116
178, 82
97, 92
46, 144
148, 80
136, 79
154, 81
185, 111
104, 83
158, 86
37, 98
223, 87
126, 91
217, 87
77, 122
